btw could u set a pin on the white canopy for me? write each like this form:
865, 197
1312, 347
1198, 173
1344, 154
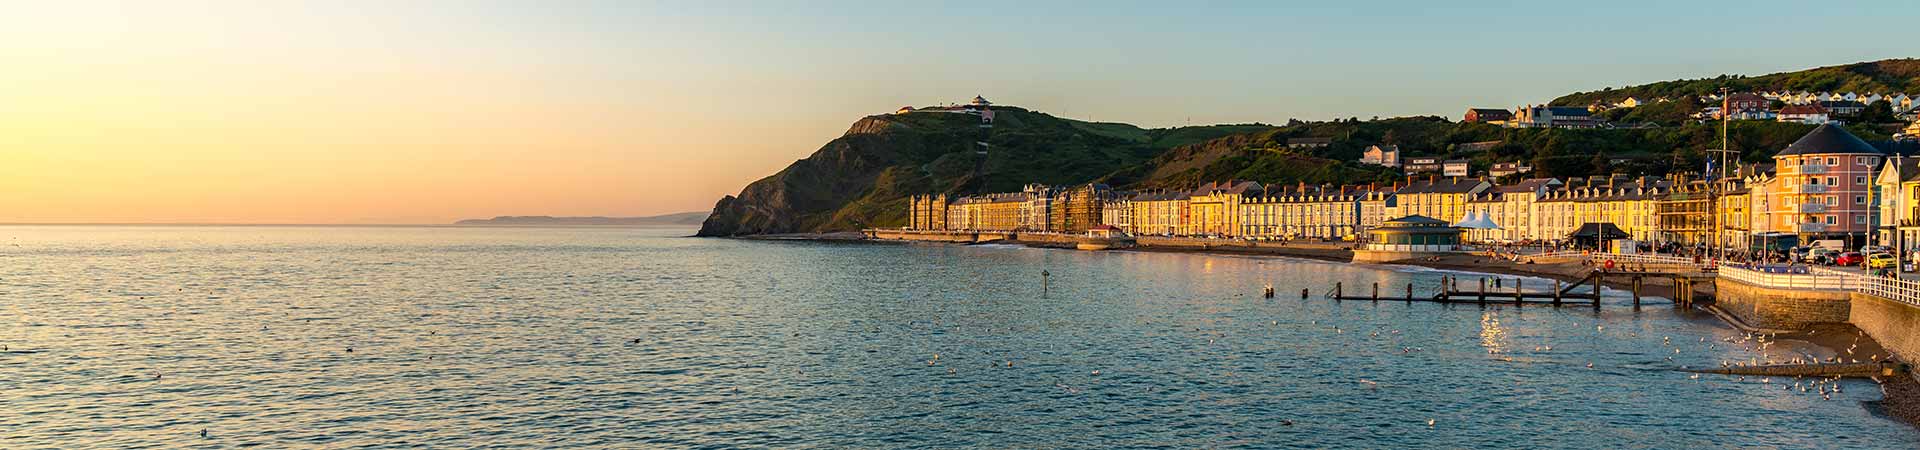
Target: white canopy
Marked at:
1478, 222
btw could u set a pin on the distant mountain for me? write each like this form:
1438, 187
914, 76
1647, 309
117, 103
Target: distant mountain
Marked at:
1884, 77
685, 218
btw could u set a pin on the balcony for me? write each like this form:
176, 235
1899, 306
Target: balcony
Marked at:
1813, 169
1812, 228
1808, 208
1808, 188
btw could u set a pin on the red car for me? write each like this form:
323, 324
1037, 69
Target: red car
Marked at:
1850, 259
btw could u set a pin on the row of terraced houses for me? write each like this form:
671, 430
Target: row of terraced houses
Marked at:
1827, 185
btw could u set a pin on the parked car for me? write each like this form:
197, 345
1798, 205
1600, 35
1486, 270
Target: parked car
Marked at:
1881, 261
1819, 255
1849, 259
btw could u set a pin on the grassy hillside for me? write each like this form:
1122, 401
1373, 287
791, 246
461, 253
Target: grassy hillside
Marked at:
1262, 156
864, 178
1885, 76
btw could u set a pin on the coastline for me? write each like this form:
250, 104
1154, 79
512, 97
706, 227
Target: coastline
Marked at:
1900, 395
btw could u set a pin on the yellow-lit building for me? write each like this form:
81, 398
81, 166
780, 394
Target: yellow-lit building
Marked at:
1631, 205
1214, 208
989, 212
927, 212
1438, 198
1310, 212
1149, 213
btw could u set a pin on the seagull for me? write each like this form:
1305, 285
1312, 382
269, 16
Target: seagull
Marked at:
1429, 423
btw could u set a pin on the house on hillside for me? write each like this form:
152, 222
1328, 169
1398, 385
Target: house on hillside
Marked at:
1843, 108
1381, 155
1488, 115
1423, 164
1509, 168
1745, 102
1807, 114
1309, 142
1454, 168
1542, 116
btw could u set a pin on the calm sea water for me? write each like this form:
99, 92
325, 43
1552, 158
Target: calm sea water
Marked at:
142, 337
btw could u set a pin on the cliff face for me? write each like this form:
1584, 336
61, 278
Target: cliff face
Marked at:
864, 177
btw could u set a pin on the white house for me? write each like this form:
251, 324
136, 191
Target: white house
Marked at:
1381, 155
1807, 114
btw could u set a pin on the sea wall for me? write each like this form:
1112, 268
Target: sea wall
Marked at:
1785, 309
1895, 325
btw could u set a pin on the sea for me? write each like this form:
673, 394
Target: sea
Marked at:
130, 337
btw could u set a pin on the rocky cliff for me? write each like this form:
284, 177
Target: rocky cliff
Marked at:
864, 177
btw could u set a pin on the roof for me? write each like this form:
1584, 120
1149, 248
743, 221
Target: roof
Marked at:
1527, 185
1416, 220
1907, 169
1828, 139
1803, 109
1450, 185
1601, 230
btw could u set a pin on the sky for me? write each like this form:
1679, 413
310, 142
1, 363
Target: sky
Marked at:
372, 112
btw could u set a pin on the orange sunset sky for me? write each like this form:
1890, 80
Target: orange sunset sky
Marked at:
433, 111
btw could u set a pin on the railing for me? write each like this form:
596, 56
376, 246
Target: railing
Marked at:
1808, 188
1791, 277
1813, 208
1412, 247
1811, 227
1903, 291
1813, 169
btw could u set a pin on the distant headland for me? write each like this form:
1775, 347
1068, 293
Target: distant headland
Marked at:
685, 218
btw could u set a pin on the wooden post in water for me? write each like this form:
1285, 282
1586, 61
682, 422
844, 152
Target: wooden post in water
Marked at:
1337, 291
1517, 293
1556, 292
1409, 292
1636, 291
1597, 278
1303, 293
1483, 290
1044, 275
1376, 291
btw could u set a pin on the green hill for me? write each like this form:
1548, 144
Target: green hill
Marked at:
1884, 76
864, 177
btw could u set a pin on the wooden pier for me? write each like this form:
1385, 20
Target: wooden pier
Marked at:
1585, 292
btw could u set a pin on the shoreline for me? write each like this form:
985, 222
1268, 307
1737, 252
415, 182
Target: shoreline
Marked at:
1900, 395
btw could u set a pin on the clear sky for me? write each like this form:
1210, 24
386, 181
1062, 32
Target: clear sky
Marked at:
428, 111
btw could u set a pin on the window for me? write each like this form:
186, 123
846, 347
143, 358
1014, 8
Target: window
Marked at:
1830, 220
1859, 199
1862, 160
1859, 220
1859, 180
1833, 181
1832, 161
1830, 201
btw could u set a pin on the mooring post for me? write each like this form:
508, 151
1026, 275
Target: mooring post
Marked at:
1303, 293
1409, 292
1556, 292
1636, 291
1597, 278
1044, 275
1516, 291
1483, 290
1337, 292
1376, 291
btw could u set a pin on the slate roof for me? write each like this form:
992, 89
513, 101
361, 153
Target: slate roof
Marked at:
1828, 139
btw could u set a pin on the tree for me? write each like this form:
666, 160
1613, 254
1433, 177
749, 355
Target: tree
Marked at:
1880, 111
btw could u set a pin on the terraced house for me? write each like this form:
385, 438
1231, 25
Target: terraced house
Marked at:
1309, 212
1437, 197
